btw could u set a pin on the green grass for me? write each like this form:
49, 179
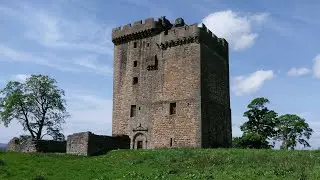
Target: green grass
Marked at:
164, 164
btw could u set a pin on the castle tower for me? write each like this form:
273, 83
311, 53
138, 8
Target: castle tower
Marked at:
171, 85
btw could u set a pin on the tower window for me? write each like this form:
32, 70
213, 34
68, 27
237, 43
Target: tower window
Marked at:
133, 110
135, 80
166, 32
135, 44
148, 44
135, 63
173, 108
156, 61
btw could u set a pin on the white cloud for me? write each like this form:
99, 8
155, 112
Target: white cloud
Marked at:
60, 33
298, 71
20, 77
92, 63
89, 113
85, 63
250, 83
235, 28
16, 55
20, 56
62, 38
54, 31
316, 66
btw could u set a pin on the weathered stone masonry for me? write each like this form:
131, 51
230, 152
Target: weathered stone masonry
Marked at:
29, 145
87, 143
171, 85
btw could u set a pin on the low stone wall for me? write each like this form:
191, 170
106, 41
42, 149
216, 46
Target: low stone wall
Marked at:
88, 144
21, 145
29, 145
77, 143
49, 146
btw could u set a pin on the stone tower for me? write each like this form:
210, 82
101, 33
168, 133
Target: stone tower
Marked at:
171, 85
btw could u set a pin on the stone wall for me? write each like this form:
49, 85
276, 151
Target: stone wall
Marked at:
88, 144
78, 143
215, 106
50, 146
29, 145
165, 75
182, 64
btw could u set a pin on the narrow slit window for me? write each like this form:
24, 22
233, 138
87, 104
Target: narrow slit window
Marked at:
156, 61
170, 142
135, 80
135, 44
135, 63
173, 108
133, 110
148, 44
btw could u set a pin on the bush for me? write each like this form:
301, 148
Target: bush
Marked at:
2, 162
251, 141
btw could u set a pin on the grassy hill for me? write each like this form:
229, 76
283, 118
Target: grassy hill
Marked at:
164, 164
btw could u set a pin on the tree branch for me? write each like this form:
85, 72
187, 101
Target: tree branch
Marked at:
27, 120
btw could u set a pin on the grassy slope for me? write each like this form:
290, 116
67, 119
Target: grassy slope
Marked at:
165, 164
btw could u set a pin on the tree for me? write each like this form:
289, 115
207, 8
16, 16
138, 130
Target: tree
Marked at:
293, 129
261, 120
251, 140
37, 104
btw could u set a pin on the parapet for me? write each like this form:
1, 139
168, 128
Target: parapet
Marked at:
173, 34
212, 41
139, 29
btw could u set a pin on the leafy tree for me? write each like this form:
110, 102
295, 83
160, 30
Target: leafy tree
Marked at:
37, 104
293, 129
261, 120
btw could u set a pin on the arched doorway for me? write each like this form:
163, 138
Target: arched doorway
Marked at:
140, 141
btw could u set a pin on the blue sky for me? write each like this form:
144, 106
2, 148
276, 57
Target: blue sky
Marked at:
274, 52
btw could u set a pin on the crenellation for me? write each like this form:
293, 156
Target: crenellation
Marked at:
203, 27
138, 30
219, 45
224, 42
117, 29
127, 27
137, 23
149, 21
210, 33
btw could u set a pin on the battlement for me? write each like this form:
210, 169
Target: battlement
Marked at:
173, 34
211, 40
139, 29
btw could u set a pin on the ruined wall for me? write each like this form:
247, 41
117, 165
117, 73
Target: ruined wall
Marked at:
87, 143
77, 143
50, 146
29, 145
17, 145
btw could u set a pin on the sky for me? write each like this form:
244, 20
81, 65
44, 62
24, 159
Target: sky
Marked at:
274, 52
